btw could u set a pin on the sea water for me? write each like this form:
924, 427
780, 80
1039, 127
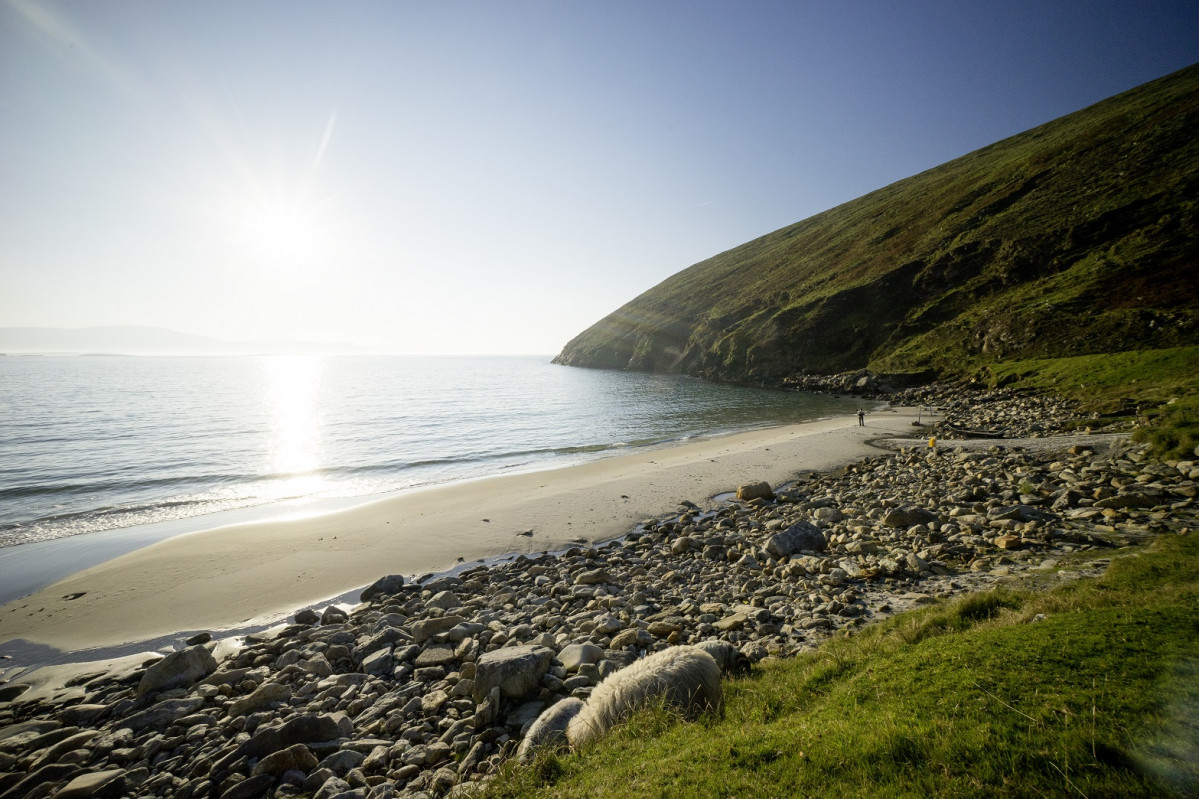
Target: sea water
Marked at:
94, 443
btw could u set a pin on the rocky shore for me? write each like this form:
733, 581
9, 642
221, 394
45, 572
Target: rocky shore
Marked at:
425, 687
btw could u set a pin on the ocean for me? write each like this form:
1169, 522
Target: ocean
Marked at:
96, 443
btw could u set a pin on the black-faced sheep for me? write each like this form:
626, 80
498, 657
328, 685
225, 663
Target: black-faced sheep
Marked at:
727, 656
684, 677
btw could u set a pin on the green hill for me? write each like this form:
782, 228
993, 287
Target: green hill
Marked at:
1076, 238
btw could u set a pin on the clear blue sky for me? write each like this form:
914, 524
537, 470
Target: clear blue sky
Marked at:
486, 176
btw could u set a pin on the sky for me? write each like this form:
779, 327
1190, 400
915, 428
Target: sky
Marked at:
487, 177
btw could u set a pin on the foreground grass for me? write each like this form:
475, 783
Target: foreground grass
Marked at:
1089, 689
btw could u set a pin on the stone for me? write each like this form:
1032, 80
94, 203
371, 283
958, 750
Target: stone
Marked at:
1008, 542
574, 655
334, 615
262, 696
634, 636
798, 537
162, 714
593, 577
1134, 499
307, 728
177, 670
425, 629
307, 617
444, 600
909, 516
749, 491
253, 788
12, 691
516, 671
95, 785
81, 714
435, 655
297, 757
379, 663
383, 588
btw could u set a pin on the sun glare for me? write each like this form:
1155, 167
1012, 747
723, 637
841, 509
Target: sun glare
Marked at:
281, 234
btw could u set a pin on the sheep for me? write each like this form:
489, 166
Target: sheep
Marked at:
549, 730
685, 677
727, 656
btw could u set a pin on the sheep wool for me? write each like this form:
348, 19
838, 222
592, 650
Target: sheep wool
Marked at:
549, 730
686, 677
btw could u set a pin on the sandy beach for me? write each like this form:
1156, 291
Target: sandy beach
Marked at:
258, 573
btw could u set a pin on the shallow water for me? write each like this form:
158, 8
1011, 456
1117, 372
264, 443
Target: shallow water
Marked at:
97, 443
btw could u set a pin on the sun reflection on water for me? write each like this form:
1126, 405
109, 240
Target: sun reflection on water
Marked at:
295, 451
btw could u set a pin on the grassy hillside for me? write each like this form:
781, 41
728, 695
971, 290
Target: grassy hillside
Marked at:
1088, 689
1078, 237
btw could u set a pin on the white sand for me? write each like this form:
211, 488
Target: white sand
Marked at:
231, 576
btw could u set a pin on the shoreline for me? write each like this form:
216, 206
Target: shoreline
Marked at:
257, 573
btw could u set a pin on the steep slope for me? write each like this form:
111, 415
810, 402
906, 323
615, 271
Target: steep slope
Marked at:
1077, 237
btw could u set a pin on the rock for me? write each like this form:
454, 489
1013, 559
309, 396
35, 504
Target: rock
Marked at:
516, 671
593, 577
634, 636
444, 600
53, 773
81, 714
574, 655
435, 655
383, 587
334, 615
379, 663
262, 696
177, 670
909, 516
731, 622
307, 728
750, 491
307, 616
1008, 542
95, 785
162, 714
798, 537
425, 629
1134, 499
12, 691
253, 788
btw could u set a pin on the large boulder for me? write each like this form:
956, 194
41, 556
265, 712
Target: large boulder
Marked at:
574, 655
383, 587
303, 729
796, 538
908, 517
425, 629
516, 671
177, 670
755, 491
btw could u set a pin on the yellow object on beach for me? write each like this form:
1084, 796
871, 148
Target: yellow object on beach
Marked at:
932, 443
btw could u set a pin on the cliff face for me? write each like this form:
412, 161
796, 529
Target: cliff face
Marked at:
1077, 237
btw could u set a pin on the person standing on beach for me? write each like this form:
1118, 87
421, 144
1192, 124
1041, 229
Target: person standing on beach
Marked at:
861, 418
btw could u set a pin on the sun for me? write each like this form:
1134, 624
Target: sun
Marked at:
280, 233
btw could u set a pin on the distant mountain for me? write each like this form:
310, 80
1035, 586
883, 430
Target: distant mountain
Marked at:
136, 340
1078, 237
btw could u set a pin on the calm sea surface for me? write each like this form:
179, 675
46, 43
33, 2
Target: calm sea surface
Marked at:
96, 443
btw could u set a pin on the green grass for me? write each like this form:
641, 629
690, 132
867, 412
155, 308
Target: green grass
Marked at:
1090, 689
